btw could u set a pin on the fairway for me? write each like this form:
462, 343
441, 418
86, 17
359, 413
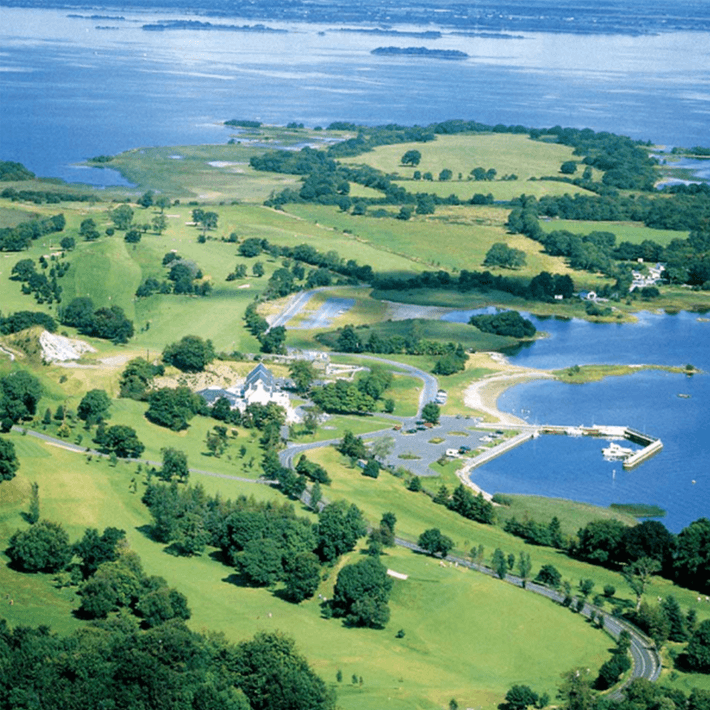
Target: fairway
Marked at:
437, 607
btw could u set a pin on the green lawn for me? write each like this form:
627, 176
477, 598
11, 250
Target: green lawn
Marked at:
633, 232
506, 153
439, 608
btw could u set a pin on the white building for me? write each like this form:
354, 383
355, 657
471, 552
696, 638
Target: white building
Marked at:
260, 387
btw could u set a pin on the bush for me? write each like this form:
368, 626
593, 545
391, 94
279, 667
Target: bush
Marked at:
43, 548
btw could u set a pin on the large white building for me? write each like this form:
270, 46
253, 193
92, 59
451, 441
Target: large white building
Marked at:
259, 387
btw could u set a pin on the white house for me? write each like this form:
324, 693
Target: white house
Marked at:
259, 388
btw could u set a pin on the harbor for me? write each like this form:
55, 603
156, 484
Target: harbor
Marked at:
629, 457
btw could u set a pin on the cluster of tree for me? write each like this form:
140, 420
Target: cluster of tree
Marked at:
626, 163
19, 394
44, 289
452, 356
168, 667
326, 262
361, 594
184, 277
545, 535
359, 397
266, 541
20, 320
173, 408
612, 669
20, 237
464, 502
311, 470
11, 171
686, 260
108, 323
94, 407
190, 354
137, 378
508, 323
485, 281
119, 439
500, 254
50, 197
271, 340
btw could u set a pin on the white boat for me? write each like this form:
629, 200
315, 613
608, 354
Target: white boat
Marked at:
616, 452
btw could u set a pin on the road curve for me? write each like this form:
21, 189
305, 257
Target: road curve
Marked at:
645, 657
431, 384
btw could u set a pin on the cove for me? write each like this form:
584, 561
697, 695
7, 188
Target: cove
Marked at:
677, 479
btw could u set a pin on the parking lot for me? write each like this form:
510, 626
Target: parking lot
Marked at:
419, 451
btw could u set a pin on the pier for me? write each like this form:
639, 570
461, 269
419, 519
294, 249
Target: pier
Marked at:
651, 445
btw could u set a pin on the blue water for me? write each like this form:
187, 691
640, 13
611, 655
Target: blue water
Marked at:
69, 91
677, 479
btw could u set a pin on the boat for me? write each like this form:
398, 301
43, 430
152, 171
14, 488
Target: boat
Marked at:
616, 452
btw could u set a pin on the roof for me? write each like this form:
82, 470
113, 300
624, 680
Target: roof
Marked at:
260, 372
212, 394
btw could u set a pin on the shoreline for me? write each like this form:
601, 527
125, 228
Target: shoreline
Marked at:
482, 396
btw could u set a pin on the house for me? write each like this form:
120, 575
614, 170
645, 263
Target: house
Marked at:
259, 387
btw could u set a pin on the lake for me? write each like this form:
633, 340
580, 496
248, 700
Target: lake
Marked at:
677, 479
71, 91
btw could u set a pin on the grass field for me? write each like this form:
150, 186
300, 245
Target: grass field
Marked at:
506, 153
439, 608
633, 232
452, 238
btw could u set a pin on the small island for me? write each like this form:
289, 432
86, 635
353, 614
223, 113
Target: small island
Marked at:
421, 52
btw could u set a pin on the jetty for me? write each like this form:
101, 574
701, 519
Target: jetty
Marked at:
651, 445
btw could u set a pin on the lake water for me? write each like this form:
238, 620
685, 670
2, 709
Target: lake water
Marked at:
677, 479
70, 91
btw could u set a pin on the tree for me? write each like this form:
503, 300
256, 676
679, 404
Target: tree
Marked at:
372, 469
339, 527
349, 341
412, 157
520, 697
500, 254
132, 236
576, 690
88, 230
499, 563
174, 465
93, 407
173, 408
274, 676
258, 269
95, 549
33, 512
691, 563
387, 524
638, 575
20, 393
550, 576
445, 175
162, 202
68, 243
569, 167
123, 441
8, 460
698, 649
190, 354
352, 446
431, 413
302, 576
361, 593
261, 562
146, 199
382, 447
274, 340
524, 567
433, 542
121, 216
302, 373
677, 623
44, 547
